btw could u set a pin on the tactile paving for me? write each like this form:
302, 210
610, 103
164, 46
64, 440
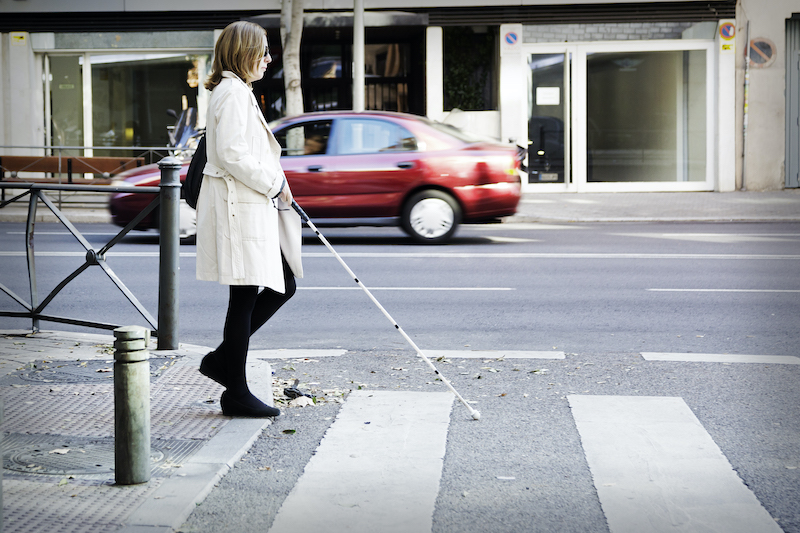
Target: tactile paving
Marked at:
71, 507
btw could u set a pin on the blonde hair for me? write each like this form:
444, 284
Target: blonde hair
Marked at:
239, 47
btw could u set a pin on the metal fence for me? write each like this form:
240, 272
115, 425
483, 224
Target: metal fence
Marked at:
166, 328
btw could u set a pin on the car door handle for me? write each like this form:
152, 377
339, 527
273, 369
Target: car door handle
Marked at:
315, 168
406, 164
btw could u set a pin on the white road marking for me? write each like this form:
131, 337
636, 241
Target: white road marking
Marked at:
507, 240
724, 290
724, 238
295, 353
457, 255
721, 358
377, 468
62, 233
357, 288
493, 354
656, 469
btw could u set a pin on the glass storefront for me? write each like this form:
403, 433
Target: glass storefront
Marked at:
134, 97
621, 116
646, 116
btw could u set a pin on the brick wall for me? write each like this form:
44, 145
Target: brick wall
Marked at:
639, 31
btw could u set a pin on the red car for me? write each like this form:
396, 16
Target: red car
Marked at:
398, 168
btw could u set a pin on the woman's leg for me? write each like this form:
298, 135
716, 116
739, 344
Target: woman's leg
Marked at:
248, 310
266, 304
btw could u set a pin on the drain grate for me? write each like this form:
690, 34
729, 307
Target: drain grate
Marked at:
56, 455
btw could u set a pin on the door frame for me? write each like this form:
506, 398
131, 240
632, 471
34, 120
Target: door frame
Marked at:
577, 112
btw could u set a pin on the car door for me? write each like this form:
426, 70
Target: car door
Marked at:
375, 162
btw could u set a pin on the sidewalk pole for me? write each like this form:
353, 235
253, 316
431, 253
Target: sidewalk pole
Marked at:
169, 243
131, 406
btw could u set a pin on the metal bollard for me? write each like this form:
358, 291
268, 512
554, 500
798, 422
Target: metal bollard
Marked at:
169, 245
131, 406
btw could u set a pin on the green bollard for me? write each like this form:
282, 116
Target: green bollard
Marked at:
131, 406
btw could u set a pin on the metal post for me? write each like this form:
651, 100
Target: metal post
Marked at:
29, 228
131, 406
169, 265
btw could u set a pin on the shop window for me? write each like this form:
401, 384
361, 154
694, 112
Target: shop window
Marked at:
131, 95
646, 116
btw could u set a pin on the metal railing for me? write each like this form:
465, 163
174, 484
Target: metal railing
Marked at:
166, 328
151, 154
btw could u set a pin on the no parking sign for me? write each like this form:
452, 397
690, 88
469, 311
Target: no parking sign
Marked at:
727, 35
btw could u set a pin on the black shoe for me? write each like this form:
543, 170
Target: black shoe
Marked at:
246, 405
212, 368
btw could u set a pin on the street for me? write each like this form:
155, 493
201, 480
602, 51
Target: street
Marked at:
540, 326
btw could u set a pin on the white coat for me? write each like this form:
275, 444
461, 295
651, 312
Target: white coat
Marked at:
242, 227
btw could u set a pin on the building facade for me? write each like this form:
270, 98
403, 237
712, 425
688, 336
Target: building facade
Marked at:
678, 95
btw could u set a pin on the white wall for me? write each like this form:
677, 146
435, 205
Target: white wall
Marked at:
765, 151
22, 109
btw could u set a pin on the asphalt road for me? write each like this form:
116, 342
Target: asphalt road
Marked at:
600, 293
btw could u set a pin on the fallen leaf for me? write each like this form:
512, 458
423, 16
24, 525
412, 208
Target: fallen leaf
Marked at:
60, 451
289, 431
104, 370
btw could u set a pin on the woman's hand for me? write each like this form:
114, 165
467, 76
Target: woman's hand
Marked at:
286, 194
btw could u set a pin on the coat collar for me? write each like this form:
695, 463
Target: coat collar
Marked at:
231, 75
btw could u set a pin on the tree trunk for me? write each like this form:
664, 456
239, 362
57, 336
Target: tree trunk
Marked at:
291, 34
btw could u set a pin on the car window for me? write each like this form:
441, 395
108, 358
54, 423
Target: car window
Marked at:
308, 138
366, 136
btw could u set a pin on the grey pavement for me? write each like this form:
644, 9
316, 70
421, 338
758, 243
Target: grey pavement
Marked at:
58, 430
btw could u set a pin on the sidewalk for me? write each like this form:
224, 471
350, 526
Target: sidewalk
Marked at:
58, 428
554, 207
741, 206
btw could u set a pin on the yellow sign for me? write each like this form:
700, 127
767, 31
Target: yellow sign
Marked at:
18, 38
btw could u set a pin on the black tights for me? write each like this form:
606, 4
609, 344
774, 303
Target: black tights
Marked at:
248, 310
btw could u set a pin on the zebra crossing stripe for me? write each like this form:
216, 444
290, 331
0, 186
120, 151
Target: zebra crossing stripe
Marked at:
377, 468
494, 354
721, 358
656, 469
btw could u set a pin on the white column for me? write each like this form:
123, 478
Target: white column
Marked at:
726, 111
358, 55
88, 128
513, 85
434, 73
21, 121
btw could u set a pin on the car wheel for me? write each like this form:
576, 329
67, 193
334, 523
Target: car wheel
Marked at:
431, 216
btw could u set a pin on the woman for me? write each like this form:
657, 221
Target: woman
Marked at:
248, 236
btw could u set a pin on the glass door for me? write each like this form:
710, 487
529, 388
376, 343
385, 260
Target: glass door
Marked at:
548, 118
